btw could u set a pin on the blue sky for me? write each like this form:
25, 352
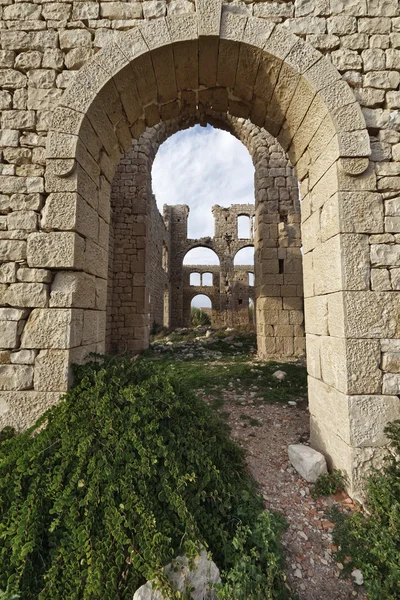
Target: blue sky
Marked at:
200, 167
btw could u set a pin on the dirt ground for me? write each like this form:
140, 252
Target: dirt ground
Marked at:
265, 430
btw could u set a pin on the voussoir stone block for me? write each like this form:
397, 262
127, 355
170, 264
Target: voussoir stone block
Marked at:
56, 250
308, 463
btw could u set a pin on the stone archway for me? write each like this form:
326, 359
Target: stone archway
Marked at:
220, 62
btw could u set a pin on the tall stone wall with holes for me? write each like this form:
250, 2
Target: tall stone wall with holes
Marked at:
137, 274
234, 284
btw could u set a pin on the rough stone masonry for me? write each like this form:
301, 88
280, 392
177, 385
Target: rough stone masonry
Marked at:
321, 77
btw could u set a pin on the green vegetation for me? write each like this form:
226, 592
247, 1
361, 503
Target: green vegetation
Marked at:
373, 542
131, 470
328, 483
216, 377
199, 317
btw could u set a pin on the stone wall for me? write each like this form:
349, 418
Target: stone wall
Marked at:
322, 78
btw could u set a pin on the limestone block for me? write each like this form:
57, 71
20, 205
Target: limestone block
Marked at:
391, 385
374, 59
8, 272
392, 224
345, 60
21, 410
361, 212
368, 416
382, 79
380, 279
18, 119
96, 259
23, 357
152, 9
94, 326
53, 58
209, 15
391, 362
313, 345
385, 255
199, 579
27, 295
12, 250
43, 99
9, 334
101, 293
180, 7
34, 275
372, 314
355, 251
393, 99
16, 377
328, 270
316, 315
9, 137
56, 250
52, 372
12, 79
68, 211
395, 278
308, 463
76, 290
27, 220
53, 328
74, 38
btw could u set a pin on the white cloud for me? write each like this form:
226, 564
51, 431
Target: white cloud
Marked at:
202, 167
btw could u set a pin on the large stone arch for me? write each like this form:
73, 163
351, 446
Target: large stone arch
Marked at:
221, 62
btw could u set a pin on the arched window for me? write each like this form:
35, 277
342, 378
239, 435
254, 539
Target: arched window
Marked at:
195, 279
165, 258
201, 256
244, 227
201, 301
207, 279
245, 256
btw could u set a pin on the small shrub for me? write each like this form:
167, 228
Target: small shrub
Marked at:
373, 542
328, 484
199, 317
131, 470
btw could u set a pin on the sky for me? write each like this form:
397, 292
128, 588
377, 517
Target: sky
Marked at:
201, 167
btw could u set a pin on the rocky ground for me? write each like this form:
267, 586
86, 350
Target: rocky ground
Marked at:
265, 415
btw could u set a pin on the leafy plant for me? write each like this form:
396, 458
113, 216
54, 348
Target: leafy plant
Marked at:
199, 317
131, 470
328, 483
371, 542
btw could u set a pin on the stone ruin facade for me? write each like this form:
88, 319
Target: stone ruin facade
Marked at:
229, 289
82, 81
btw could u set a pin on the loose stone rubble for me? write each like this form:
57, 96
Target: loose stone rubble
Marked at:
308, 462
199, 580
321, 78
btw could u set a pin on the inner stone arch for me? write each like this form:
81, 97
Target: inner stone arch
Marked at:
160, 72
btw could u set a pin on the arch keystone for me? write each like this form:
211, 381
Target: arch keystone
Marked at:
209, 16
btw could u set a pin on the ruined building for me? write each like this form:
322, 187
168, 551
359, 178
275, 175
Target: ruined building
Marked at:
90, 89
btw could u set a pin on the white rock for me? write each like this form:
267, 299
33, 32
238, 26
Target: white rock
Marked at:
358, 577
279, 375
308, 462
205, 572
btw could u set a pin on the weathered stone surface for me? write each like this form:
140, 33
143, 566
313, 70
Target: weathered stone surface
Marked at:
52, 372
53, 328
73, 290
23, 357
16, 377
27, 295
308, 462
55, 250
21, 410
199, 580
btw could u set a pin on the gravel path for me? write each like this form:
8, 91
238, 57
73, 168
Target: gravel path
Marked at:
265, 430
